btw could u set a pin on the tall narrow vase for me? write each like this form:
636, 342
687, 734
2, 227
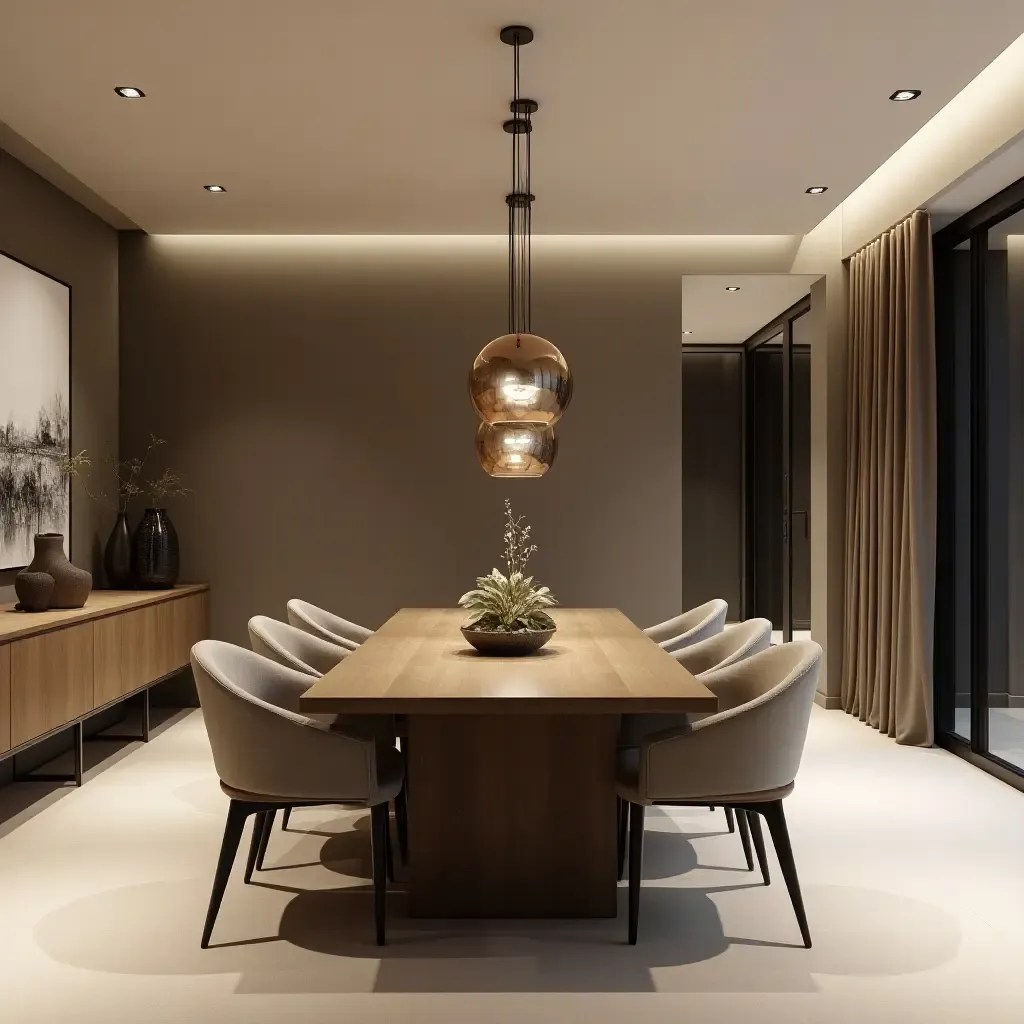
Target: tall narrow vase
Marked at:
117, 556
155, 551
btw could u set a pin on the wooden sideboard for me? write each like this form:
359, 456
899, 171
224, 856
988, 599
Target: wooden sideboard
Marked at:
59, 668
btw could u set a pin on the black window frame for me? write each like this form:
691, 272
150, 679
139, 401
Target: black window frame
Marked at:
972, 227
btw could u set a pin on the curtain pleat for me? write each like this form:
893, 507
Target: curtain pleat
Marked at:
891, 481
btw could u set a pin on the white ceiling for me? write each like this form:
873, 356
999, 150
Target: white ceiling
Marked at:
720, 317
321, 116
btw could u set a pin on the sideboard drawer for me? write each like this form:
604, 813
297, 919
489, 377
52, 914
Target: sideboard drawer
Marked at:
190, 625
51, 680
141, 644
5, 697
108, 663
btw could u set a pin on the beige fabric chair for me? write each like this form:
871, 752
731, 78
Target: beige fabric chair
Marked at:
326, 625
691, 627
269, 756
744, 756
296, 649
730, 646
293, 647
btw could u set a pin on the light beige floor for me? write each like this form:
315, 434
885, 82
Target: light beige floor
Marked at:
912, 864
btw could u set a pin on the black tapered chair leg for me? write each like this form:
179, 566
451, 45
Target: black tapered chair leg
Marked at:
285, 819
730, 819
744, 829
402, 825
255, 844
268, 825
388, 849
636, 856
379, 828
776, 818
623, 830
237, 813
754, 821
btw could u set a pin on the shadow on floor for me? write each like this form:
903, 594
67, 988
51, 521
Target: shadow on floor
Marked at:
21, 801
292, 937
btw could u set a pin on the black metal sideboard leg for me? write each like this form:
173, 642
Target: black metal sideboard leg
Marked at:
145, 715
78, 753
75, 776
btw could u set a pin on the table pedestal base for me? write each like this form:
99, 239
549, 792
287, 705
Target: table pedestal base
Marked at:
512, 815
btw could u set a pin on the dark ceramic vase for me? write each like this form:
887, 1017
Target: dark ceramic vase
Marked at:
71, 585
155, 551
34, 590
117, 555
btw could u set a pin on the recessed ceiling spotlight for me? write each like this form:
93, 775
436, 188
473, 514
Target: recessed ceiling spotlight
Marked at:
687, 332
816, 190
129, 92
905, 95
732, 287
215, 188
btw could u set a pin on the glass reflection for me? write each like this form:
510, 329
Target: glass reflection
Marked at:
516, 449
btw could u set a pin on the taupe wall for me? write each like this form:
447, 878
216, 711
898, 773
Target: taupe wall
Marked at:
313, 391
42, 226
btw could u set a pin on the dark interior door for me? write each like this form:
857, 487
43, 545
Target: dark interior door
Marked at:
800, 518
767, 496
779, 475
712, 477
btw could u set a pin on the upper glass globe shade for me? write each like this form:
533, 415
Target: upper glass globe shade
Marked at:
520, 378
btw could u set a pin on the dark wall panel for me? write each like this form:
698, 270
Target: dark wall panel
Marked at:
712, 538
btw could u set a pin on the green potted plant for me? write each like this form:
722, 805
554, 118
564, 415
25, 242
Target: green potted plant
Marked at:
508, 614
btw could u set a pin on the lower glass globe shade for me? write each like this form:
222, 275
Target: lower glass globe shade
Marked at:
511, 450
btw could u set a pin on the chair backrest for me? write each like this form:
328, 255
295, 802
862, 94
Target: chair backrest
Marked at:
326, 625
261, 744
680, 624
733, 644
754, 745
293, 647
691, 627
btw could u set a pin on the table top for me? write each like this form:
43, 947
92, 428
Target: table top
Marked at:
99, 603
598, 662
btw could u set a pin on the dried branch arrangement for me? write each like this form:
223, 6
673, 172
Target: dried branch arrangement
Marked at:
510, 604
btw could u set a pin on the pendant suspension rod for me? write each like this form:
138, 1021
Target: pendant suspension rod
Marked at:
519, 199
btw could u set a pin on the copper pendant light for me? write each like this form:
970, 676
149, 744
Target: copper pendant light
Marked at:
520, 383
516, 450
520, 378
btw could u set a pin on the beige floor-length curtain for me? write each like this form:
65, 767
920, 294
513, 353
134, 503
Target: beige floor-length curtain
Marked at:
891, 469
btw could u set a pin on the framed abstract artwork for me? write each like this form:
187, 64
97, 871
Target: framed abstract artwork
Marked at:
35, 408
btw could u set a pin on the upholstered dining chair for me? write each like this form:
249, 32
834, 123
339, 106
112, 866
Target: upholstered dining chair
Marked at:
327, 625
703, 659
296, 649
293, 647
744, 756
268, 757
691, 627
733, 644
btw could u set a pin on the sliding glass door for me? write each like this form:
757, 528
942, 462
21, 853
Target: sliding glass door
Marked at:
979, 634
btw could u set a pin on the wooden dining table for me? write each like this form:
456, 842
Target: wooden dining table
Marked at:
511, 761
